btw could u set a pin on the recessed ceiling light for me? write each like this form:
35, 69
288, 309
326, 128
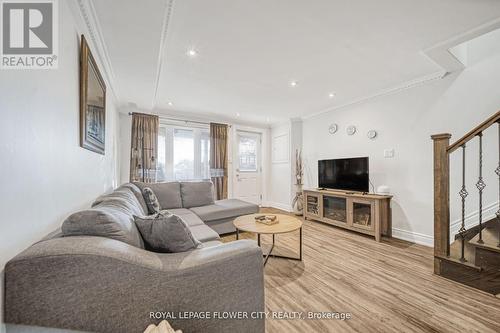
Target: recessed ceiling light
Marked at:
267, 119
192, 53
331, 95
293, 83
170, 103
237, 114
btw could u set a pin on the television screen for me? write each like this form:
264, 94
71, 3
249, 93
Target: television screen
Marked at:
344, 174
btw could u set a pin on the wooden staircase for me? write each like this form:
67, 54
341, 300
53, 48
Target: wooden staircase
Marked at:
473, 258
482, 268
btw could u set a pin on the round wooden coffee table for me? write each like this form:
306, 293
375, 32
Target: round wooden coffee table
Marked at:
286, 224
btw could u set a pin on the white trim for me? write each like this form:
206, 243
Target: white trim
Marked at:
396, 89
278, 205
471, 220
88, 14
439, 54
161, 54
414, 237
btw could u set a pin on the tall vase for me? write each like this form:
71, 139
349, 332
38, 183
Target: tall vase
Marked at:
298, 202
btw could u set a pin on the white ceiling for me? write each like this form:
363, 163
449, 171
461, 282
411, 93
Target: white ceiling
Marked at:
249, 51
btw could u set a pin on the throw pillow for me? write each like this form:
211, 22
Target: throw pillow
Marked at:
165, 232
151, 200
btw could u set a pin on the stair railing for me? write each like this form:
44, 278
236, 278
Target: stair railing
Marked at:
442, 151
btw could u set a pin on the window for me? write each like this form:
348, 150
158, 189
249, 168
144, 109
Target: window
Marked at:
247, 153
183, 153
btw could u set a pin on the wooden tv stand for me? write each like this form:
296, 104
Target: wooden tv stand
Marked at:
365, 213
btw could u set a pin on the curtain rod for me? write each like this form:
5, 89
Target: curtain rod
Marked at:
177, 119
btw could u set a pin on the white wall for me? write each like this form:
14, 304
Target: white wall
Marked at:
280, 189
44, 174
405, 122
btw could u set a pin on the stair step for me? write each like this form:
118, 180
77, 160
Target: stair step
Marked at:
467, 264
456, 251
486, 245
490, 238
487, 280
473, 231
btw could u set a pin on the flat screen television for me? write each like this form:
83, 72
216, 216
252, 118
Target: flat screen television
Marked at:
351, 174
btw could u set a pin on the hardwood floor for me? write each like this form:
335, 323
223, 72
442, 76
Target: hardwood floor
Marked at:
386, 287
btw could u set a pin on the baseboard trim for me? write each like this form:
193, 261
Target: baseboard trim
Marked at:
278, 205
471, 220
414, 237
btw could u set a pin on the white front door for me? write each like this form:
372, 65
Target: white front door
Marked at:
247, 182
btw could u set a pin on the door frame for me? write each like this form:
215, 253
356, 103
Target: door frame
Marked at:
264, 159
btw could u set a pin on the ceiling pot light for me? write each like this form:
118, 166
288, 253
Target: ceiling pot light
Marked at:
331, 95
170, 103
237, 114
192, 53
293, 83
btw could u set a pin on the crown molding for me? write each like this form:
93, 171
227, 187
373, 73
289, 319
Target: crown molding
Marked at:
161, 55
88, 14
439, 54
389, 91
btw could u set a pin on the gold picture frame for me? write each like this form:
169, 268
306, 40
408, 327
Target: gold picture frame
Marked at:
92, 102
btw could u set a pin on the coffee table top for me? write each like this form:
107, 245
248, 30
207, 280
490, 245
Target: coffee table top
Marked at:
286, 224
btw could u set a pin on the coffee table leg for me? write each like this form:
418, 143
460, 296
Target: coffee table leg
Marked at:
258, 240
237, 234
269, 254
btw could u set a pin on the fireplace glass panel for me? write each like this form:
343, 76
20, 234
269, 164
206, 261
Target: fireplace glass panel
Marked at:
335, 208
361, 214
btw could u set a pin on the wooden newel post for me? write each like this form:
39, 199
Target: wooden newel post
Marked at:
441, 198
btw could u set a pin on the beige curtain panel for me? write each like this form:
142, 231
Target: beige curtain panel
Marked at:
144, 147
218, 159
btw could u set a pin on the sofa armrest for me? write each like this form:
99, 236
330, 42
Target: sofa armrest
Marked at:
104, 285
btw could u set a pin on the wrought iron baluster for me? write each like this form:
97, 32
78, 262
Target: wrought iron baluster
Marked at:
480, 186
463, 193
497, 171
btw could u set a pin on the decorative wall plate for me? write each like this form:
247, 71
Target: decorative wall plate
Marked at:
351, 130
372, 134
333, 128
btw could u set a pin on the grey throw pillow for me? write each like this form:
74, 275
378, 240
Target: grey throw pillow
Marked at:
165, 232
151, 200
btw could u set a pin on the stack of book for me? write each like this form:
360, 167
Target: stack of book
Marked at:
267, 219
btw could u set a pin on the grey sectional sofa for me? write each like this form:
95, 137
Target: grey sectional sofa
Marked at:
108, 282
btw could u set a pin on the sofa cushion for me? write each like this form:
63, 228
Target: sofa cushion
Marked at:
196, 194
138, 195
168, 194
203, 233
165, 232
105, 220
223, 209
111, 216
151, 200
127, 197
188, 216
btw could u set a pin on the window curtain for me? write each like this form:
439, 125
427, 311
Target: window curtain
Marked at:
218, 159
144, 147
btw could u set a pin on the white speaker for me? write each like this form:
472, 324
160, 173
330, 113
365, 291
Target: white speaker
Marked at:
383, 189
